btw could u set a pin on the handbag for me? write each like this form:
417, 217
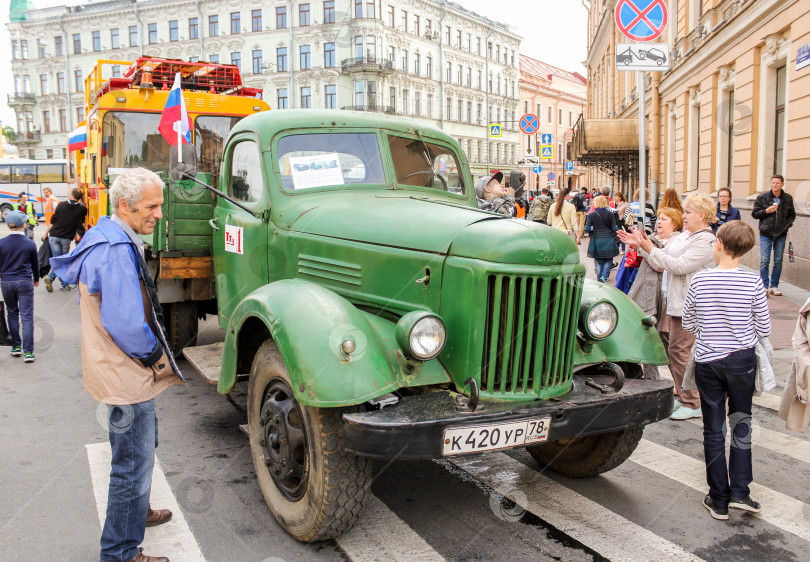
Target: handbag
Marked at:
571, 232
631, 258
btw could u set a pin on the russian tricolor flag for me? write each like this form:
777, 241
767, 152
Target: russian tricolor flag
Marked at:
77, 139
175, 117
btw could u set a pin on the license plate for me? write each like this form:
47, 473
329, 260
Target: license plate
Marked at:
473, 439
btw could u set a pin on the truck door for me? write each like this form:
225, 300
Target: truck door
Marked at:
240, 239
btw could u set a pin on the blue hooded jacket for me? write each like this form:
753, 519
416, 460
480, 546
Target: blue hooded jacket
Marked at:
106, 261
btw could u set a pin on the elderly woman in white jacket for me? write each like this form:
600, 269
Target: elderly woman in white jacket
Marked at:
680, 260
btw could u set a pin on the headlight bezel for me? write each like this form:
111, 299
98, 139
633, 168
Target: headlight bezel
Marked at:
405, 330
586, 309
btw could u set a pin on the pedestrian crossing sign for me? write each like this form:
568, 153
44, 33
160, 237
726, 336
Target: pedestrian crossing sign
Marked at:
547, 151
495, 130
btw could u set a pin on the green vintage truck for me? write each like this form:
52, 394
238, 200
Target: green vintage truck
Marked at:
376, 313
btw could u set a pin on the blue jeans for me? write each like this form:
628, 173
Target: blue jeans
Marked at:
133, 438
59, 247
19, 297
731, 377
765, 245
603, 268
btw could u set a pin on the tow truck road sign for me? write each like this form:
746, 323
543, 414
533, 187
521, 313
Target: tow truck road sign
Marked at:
495, 130
528, 161
546, 152
529, 123
630, 56
641, 20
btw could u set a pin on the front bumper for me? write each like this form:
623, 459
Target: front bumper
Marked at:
414, 427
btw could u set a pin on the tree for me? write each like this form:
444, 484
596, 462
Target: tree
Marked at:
9, 133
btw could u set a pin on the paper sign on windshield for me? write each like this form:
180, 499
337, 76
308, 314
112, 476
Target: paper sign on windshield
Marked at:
316, 171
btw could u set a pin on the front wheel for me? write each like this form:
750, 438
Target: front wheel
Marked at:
590, 455
182, 324
314, 488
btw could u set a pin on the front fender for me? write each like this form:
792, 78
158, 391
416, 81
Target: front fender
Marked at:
308, 324
631, 341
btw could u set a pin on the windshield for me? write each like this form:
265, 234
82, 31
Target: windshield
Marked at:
132, 139
313, 160
425, 164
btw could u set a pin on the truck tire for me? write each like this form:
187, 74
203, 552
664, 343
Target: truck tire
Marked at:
589, 455
181, 324
5, 208
314, 489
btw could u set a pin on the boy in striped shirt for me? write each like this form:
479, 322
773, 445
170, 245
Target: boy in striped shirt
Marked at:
726, 307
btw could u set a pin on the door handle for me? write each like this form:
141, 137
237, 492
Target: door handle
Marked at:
213, 223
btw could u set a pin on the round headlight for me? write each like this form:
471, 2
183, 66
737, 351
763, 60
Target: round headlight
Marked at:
601, 320
421, 334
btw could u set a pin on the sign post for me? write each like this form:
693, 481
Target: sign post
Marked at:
641, 20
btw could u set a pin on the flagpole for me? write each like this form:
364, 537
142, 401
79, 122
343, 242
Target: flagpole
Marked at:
179, 144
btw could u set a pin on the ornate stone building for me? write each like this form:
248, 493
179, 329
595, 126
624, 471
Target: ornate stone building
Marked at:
732, 110
433, 61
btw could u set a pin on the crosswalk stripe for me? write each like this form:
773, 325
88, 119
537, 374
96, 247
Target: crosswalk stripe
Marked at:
381, 535
777, 509
793, 447
765, 400
583, 519
173, 539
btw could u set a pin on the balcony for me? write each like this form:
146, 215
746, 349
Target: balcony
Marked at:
367, 64
25, 138
376, 108
21, 98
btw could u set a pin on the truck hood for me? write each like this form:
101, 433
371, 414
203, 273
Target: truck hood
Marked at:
430, 224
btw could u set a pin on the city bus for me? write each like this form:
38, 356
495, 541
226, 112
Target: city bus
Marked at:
31, 176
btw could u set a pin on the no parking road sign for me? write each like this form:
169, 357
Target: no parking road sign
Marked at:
551, 176
529, 123
641, 20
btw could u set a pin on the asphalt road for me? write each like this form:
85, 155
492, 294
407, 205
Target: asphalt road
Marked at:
492, 507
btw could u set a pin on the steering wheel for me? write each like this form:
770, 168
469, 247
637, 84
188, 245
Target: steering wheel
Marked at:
425, 173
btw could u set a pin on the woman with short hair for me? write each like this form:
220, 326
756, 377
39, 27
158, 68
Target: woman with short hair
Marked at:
681, 259
725, 212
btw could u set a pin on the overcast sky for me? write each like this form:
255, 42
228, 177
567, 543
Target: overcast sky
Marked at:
553, 31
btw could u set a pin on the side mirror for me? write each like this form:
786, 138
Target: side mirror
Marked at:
188, 167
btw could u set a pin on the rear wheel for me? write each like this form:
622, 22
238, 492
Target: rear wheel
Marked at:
314, 489
181, 324
4, 210
589, 455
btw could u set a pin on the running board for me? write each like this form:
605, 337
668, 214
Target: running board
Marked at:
206, 360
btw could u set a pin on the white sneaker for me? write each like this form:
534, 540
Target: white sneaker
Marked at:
684, 413
677, 405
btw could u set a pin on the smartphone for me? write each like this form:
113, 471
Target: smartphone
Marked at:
655, 241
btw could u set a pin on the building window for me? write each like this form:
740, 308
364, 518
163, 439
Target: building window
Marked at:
174, 30
469, 77
79, 82
303, 15
469, 112
281, 18
370, 9
282, 98
417, 103
236, 23
779, 121
358, 47
405, 102
193, 28
213, 58
559, 116
329, 11
359, 93
479, 115
392, 97
478, 46
429, 66
404, 21
449, 73
49, 153
116, 71
449, 109
371, 91
256, 20
304, 57
329, 55
77, 43
416, 26
63, 119
257, 61
447, 36
236, 59
417, 64
330, 97
60, 82
24, 49
458, 39
550, 115
213, 26
80, 114
390, 16
41, 48
306, 97
115, 40
133, 36
15, 50
459, 72
152, 29
358, 9
194, 59
371, 48
404, 60
43, 84
46, 121
460, 110
281, 59
57, 44
469, 42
